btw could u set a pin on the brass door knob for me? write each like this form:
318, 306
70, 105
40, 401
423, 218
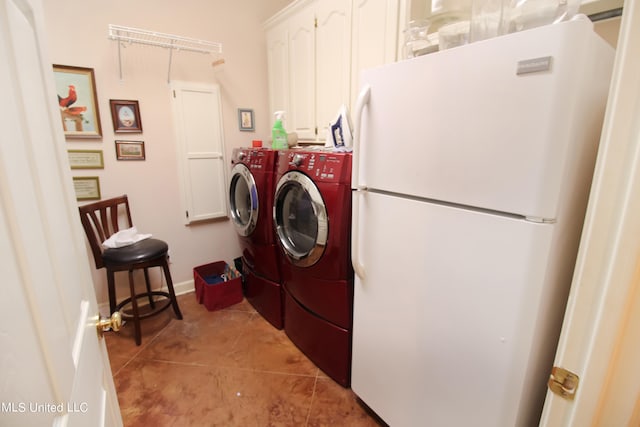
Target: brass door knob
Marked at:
109, 323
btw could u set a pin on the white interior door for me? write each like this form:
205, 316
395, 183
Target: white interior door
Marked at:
601, 331
197, 113
54, 369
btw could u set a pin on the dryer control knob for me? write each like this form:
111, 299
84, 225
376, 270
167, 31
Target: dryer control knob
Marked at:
297, 160
242, 155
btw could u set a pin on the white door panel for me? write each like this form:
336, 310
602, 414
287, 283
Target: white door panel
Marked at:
197, 113
333, 60
374, 38
302, 75
600, 334
278, 72
54, 371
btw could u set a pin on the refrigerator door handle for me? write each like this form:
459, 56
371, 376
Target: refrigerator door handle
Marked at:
363, 99
358, 268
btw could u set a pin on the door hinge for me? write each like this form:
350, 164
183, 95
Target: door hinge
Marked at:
187, 214
174, 93
315, 22
564, 383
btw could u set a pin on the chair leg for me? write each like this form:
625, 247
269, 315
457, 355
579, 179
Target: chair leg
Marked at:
134, 308
111, 285
146, 279
174, 301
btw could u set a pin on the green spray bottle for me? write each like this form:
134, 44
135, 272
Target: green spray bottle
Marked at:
278, 134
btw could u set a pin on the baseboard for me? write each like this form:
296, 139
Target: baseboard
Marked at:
179, 288
183, 288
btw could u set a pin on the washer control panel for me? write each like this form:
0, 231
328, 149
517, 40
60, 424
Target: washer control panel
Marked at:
256, 159
321, 166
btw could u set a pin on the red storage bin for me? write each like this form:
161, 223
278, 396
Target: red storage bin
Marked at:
211, 290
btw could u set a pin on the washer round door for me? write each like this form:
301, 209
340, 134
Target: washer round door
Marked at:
300, 218
243, 199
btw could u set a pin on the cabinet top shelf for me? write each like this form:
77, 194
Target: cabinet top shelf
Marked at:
168, 41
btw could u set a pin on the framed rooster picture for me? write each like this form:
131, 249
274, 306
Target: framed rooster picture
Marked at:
77, 99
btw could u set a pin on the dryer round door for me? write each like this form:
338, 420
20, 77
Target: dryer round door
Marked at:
300, 218
243, 199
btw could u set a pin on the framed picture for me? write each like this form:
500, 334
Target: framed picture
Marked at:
130, 150
78, 102
86, 159
125, 116
87, 187
245, 119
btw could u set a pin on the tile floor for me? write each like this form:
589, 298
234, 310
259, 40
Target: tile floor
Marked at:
223, 368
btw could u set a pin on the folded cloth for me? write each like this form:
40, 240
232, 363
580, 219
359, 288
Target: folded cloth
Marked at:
124, 238
214, 279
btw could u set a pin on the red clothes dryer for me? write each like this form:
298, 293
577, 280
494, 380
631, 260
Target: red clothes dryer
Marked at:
312, 217
251, 191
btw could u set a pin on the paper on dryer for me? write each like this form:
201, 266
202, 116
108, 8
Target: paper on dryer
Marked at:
124, 238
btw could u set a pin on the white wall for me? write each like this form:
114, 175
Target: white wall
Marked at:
608, 30
78, 36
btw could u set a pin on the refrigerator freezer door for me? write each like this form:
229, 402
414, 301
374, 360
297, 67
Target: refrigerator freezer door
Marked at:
445, 334
481, 125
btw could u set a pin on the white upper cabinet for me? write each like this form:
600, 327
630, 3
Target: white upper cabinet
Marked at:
316, 50
333, 60
278, 68
376, 32
302, 73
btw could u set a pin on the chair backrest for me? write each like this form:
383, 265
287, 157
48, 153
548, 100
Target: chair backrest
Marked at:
101, 220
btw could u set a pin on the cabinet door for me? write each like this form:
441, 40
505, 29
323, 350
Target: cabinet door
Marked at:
333, 60
374, 37
301, 112
278, 70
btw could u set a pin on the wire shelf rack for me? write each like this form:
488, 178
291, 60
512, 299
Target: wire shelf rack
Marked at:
170, 41
128, 35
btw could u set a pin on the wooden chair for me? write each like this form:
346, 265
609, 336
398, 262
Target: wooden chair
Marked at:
100, 221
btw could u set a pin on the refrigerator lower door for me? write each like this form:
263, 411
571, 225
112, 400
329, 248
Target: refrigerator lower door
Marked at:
445, 320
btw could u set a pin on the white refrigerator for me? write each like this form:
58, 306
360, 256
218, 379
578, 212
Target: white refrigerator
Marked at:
472, 169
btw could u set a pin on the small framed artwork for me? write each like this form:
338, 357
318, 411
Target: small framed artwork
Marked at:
125, 116
130, 150
86, 159
245, 119
87, 187
78, 102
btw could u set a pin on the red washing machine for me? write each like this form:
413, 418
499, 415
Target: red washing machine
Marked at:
251, 191
312, 216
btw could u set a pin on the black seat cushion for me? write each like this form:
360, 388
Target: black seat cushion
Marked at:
141, 251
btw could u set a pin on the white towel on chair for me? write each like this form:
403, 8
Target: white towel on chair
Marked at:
124, 238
